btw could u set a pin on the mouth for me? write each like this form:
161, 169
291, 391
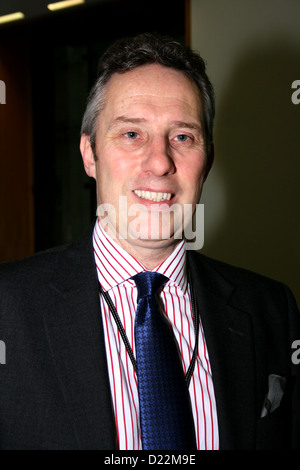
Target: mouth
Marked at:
153, 196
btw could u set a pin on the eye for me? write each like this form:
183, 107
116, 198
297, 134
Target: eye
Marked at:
182, 138
131, 134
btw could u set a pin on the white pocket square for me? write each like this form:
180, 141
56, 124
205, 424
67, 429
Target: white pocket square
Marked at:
276, 384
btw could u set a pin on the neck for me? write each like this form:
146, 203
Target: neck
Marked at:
149, 256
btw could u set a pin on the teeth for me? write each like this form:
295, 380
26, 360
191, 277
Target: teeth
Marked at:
152, 196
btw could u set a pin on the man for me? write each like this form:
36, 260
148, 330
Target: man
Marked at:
70, 380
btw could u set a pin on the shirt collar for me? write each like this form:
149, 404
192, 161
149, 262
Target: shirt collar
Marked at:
115, 265
174, 267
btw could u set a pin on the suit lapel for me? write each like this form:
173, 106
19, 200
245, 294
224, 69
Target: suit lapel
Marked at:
229, 341
75, 333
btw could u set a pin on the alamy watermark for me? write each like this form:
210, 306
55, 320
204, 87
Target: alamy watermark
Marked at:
2, 92
2, 353
156, 221
296, 94
296, 353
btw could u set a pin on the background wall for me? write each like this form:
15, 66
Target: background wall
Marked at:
252, 196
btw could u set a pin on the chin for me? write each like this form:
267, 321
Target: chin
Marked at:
156, 235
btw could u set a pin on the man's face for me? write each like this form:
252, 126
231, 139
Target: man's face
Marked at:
150, 150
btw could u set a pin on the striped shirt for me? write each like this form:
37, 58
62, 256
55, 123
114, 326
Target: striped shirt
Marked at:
115, 267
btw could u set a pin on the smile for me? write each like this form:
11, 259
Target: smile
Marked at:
153, 196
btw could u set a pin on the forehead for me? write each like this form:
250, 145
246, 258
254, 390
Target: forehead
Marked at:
155, 84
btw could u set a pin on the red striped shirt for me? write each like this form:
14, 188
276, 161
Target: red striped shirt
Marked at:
115, 267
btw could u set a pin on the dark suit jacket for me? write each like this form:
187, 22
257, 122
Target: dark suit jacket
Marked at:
54, 387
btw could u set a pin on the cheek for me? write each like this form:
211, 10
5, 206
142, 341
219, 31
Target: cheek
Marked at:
115, 160
113, 171
193, 173
192, 182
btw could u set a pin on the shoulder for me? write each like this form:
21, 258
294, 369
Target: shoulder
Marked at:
33, 286
41, 264
25, 287
39, 269
236, 274
249, 286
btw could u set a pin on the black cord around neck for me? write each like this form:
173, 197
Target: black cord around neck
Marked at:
125, 338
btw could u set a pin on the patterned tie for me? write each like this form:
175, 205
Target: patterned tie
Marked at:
165, 409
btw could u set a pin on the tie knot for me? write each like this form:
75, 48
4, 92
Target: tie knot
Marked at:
149, 283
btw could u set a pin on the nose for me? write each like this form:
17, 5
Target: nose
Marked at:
158, 158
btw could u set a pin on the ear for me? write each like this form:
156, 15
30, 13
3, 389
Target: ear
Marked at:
210, 160
87, 156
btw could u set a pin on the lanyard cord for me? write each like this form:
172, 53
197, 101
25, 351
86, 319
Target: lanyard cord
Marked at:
124, 337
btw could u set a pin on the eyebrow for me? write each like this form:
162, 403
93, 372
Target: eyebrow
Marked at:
187, 125
126, 119
132, 120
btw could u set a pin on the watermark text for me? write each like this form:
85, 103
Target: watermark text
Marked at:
296, 94
2, 352
2, 92
161, 221
296, 353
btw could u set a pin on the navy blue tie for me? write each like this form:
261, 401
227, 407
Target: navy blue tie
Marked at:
165, 410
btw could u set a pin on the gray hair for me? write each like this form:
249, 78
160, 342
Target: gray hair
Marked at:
129, 53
